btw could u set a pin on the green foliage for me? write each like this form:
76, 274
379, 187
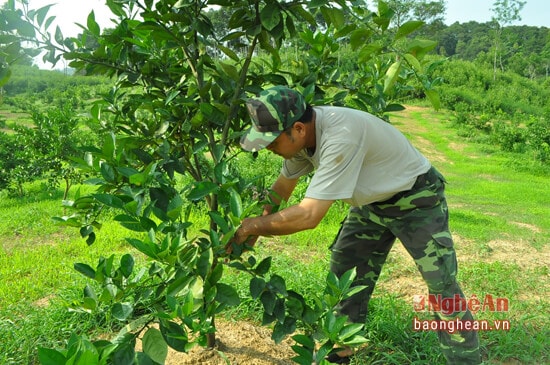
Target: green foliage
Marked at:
42, 151
523, 49
511, 111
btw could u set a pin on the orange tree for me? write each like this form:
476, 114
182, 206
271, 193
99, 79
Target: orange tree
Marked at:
172, 122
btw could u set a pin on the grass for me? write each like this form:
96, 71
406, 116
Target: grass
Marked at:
499, 217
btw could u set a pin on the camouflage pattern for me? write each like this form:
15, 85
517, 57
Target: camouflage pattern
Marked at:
273, 111
419, 219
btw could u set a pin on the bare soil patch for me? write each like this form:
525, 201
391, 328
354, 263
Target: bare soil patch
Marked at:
241, 343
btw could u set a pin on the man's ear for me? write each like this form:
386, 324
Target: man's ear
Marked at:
300, 127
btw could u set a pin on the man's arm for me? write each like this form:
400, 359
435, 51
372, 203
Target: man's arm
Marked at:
305, 215
281, 189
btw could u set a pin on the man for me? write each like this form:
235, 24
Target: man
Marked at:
393, 190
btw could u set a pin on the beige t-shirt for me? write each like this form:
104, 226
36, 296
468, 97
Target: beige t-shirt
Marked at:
358, 158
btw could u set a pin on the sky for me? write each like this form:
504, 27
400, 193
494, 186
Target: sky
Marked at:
534, 12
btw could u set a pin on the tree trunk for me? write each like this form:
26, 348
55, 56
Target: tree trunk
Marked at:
211, 338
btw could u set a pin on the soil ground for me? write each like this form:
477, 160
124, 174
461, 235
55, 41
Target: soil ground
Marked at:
238, 343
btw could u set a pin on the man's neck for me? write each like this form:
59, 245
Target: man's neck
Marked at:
311, 140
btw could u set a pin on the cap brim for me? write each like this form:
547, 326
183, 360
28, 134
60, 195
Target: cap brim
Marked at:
254, 140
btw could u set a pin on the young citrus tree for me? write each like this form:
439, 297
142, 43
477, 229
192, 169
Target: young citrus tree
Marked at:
172, 123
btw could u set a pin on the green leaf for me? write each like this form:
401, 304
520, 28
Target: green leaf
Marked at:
220, 221
268, 300
143, 359
229, 53
420, 47
270, 15
267, 318
316, 3
50, 357
26, 29
91, 239
85, 269
290, 26
334, 16
89, 304
257, 286
385, 14
89, 292
109, 145
202, 189
235, 203
216, 274
413, 62
122, 311
155, 346
305, 356
323, 352
433, 96
354, 290
279, 310
407, 28
263, 267
93, 27
304, 340
58, 35
355, 341
359, 38
127, 265
227, 295
179, 284
336, 325
369, 51
85, 231
174, 208
393, 108
392, 75
310, 316
346, 279
109, 200
174, 335
278, 283
229, 70
282, 329
350, 330
295, 306
204, 263
107, 172
42, 13
129, 222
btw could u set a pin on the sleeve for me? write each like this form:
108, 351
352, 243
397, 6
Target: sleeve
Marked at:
338, 172
296, 167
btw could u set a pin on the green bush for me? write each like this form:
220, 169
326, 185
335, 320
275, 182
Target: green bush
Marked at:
538, 138
510, 137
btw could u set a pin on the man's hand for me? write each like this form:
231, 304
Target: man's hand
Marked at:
240, 242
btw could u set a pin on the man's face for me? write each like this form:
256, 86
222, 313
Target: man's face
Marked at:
287, 145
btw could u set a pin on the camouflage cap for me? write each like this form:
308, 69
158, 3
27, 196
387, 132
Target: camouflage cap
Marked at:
272, 111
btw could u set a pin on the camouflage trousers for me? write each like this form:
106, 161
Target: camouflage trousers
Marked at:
419, 219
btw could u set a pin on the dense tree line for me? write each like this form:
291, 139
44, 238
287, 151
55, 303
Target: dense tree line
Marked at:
526, 48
